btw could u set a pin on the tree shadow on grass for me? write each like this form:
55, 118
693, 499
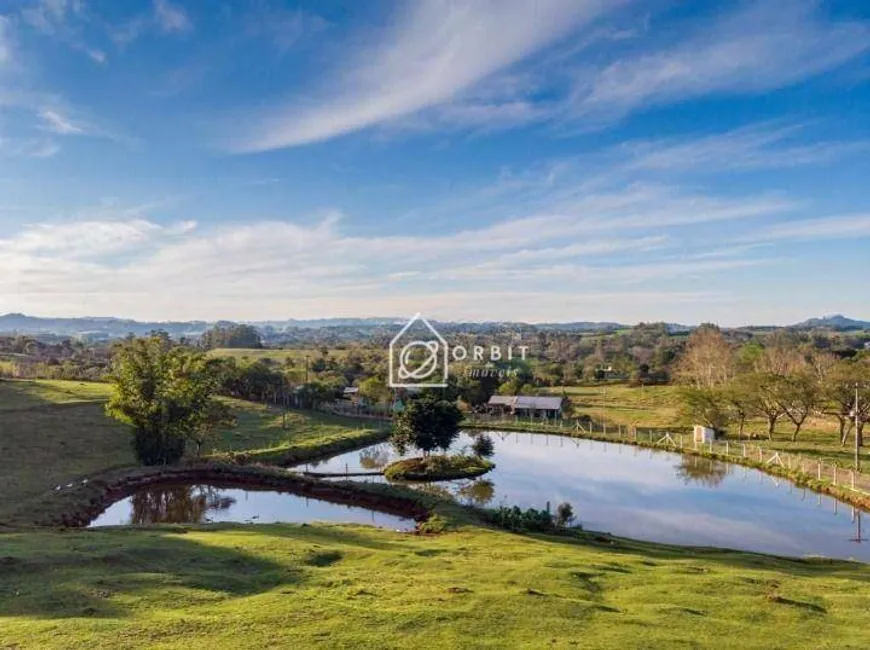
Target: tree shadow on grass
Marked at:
102, 574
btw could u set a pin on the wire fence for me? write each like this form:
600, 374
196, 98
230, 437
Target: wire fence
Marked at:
743, 452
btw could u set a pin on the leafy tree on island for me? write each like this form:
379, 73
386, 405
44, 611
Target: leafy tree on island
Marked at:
427, 423
483, 446
166, 393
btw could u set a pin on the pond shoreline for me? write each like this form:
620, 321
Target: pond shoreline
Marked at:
800, 479
87, 499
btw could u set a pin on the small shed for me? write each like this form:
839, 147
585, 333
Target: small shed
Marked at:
704, 434
526, 405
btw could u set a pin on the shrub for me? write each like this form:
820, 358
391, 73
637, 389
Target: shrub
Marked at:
437, 468
517, 520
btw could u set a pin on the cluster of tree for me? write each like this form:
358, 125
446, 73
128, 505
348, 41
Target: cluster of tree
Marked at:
231, 336
785, 378
26, 357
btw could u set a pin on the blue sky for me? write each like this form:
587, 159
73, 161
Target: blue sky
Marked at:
545, 160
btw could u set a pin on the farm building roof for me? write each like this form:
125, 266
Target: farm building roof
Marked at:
527, 402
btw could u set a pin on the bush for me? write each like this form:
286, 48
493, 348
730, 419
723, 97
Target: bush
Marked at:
437, 468
518, 521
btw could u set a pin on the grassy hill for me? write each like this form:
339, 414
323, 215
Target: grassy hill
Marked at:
55, 432
337, 586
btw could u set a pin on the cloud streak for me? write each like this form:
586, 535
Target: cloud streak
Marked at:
762, 47
436, 50
487, 66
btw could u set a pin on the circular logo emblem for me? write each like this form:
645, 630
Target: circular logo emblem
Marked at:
418, 360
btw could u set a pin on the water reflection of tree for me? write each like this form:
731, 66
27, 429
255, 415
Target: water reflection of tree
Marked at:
177, 504
706, 471
374, 457
479, 492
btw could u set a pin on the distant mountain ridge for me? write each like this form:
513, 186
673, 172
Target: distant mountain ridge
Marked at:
106, 327
834, 322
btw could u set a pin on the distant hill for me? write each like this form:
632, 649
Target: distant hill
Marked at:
94, 327
835, 322
327, 329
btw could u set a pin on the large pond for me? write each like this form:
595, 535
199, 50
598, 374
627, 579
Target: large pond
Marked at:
652, 495
197, 504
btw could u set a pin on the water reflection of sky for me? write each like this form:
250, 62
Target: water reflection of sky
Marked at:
240, 506
660, 496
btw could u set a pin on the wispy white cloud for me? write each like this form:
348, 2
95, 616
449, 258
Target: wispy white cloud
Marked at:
758, 146
616, 244
766, 45
28, 147
51, 16
171, 18
475, 66
436, 50
164, 17
283, 27
60, 124
89, 238
5, 40
848, 226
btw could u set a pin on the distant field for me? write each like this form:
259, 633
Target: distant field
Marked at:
276, 354
259, 428
22, 394
658, 407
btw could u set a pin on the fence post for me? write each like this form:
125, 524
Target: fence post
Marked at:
744, 450
760, 455
820, 470
711, 446
727, 448
835, 474
853, 479
681, 441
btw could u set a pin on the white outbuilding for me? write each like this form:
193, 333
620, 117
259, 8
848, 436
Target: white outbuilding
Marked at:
704, 434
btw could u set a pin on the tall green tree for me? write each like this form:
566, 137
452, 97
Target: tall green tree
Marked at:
165, 392
427, 424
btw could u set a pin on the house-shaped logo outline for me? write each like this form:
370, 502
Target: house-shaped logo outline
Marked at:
443, 353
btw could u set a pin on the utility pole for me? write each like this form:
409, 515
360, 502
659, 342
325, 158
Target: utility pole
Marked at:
857, 436
856, 518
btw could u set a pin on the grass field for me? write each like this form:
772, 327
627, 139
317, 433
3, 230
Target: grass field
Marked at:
356, 587
658, 407
260, 428
276, 354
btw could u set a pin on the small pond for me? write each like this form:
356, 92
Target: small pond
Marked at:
197, 504
648, 494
